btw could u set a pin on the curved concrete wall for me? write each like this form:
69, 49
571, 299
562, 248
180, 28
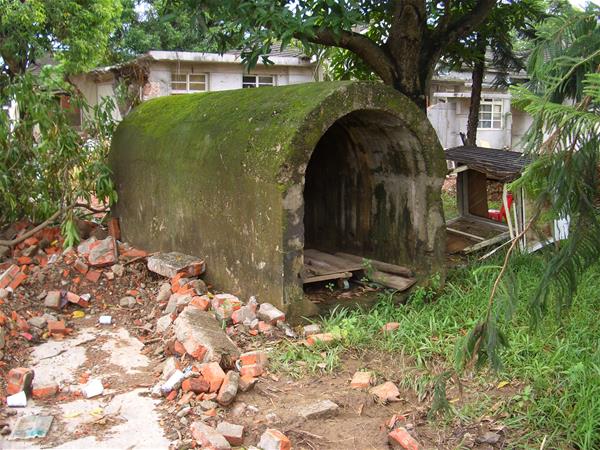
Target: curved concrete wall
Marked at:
221, 175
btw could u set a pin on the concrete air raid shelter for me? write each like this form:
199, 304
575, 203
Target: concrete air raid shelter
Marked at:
248, 179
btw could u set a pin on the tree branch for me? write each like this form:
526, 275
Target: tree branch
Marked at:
453, 28
373, 55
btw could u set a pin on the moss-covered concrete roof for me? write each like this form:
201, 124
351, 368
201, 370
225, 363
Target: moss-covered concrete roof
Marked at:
266, 130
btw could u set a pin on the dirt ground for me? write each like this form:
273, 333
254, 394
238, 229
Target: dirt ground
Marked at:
128, 356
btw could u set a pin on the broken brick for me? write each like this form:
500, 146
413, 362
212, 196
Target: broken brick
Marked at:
45, 391
208, 437
170, 264
402, 439
93, 275
246, 383
273, 439
57, 327
361, 380
19, 379
233, 433
320, 338
386, 392
102, 253
270, 314
195, 385
200, 302
389, 327
213, 373
80, 266
252, 370
264, 327
7, 279
73, 298
254, 357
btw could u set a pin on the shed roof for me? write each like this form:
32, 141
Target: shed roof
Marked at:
502, 165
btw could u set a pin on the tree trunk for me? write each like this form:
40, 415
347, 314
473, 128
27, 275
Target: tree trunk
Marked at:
477, 79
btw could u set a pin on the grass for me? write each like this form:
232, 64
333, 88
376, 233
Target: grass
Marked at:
552, 370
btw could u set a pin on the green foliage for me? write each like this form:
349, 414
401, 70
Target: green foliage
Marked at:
46, 163
553, 371
159, 25
563, 98
76, 33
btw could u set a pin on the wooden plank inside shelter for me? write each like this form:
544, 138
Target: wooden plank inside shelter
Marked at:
393, 281
326, 259
327, 277
379, 265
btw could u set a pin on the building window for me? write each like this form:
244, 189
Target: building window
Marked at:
182, 83
252, 81
490, 114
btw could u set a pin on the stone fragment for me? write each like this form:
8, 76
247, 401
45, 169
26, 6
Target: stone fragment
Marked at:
4, 251
400, 438
386, 392
208, 437
164, 323
103, 253
4, 293
389, 327
118, 270
203, 338
270, 314
53, 300
322, 338
361, 380
164, 292
229, 388
273, 439
489, 437
37, 322
311, 329
322, 409
19, 379
170, 264
127, 302
233, 433
213, 373
206, 405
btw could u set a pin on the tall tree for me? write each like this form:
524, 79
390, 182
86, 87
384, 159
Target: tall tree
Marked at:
399, 40
74, 32
159, 25
493, 42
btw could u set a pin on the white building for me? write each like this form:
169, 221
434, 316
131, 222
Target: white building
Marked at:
500, 124
171, 72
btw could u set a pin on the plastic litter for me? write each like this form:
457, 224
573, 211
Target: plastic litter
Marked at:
105, 320
93, 388
168, 386
29, 427
17, 400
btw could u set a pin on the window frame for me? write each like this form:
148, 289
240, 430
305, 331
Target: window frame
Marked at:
494, 116
257, 83
188, 82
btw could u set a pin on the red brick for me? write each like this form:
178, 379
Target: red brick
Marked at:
172, 395
246, 382
179, 348
93, 275
232, 432
57, 327
255, 357
196, 385
361, 380
31, 241
73, 298
320, 338
264, 327
17, 280
389, 327
201, 302
213, 373
7, 277
114, 229
19, 379
274, 439
252, 370
49, 390
195, 269
24, 260
400, 437
80, 266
